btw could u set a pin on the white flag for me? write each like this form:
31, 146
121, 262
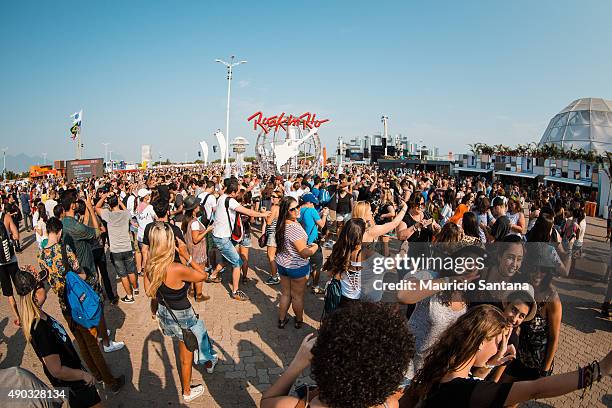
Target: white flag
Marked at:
77, 117
222, 145
204, 147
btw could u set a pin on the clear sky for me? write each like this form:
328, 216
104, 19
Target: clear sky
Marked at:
449, 73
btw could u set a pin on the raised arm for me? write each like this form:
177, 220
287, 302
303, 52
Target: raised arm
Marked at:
377, 230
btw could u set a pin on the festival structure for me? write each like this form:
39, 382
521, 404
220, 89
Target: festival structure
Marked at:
288, 144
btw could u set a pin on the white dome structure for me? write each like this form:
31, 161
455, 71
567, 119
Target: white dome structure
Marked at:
584, 124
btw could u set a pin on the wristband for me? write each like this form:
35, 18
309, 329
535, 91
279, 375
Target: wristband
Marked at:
189, 261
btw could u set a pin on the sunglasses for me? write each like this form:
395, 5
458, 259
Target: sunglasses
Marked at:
293, 208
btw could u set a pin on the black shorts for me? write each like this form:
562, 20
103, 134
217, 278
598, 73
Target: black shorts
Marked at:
316, 260
83, 396
521, 372
7, 274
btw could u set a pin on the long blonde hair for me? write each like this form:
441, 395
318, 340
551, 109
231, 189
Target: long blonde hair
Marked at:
360, 210
28, 313
161, 240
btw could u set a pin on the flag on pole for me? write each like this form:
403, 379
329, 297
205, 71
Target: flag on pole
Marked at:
204, 147
222, 144
76, 123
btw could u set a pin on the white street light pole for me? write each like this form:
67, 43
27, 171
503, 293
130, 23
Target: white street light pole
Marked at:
4, 165
229, 66
110, 158
44, 158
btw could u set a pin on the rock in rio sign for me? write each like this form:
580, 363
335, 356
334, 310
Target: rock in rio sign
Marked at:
306, 120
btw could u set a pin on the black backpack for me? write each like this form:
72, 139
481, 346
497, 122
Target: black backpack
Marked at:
204, 217
237, 227
7, 249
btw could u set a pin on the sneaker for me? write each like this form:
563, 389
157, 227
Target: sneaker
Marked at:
329, 244
213, 363
127, 299
208, 269
195, 393
119, 383
113, 346
273, 280
136, 291
240, 295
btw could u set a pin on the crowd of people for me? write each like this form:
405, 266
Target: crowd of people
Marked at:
169, 233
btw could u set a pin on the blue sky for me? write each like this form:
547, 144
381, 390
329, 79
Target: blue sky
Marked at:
449, 73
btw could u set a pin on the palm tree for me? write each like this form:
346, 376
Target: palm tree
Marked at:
475, 148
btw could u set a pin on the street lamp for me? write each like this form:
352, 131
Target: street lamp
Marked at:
44, 158
4, 166
384, 120
229, 66
420, 149
110, 158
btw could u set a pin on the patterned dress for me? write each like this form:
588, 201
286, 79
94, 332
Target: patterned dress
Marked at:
50, 259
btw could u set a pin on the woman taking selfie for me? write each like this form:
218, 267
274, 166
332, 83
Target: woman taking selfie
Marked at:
479, 339
292, 261
168, 282
51, 342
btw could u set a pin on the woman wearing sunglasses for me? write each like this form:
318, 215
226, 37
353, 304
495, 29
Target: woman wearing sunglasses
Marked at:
292, 261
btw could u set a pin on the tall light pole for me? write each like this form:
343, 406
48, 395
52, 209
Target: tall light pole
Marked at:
44, 158
110, 158
4, 165
229, 65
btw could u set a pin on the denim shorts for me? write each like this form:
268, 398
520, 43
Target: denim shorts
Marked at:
168, 325
245, 241
294, 273
124, 263
227, 249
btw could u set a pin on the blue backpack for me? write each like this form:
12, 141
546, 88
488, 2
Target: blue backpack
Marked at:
324, 197
84, 302
333, 295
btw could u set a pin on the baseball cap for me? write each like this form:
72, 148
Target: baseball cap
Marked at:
310, 198
143, 192
27, 279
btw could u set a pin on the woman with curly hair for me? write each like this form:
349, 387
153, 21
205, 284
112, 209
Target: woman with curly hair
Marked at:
478, 340
345, 378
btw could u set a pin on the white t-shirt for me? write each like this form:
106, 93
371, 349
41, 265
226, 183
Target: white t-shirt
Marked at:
294, 194
582, 225
256, 190
130, 205
288, 185
144, 218
221, 225
49, 206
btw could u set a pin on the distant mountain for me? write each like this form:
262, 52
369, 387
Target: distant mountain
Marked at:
22, 162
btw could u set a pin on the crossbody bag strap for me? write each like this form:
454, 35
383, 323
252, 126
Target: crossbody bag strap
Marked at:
172, 313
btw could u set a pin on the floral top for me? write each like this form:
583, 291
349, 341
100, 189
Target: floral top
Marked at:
50, 259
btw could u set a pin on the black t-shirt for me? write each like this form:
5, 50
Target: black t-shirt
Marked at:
178, 235
49, 337
333, 194
468, 393
365, 194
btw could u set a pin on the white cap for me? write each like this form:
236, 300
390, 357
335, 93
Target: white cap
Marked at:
143, 192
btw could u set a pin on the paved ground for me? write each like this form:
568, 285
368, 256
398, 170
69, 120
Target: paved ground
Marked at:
253, 351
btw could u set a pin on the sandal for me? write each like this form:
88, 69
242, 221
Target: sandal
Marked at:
298, 324
282, 323
216, 279
317, 290
201, 298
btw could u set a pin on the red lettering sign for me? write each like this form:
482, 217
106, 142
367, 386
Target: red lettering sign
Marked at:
306, 120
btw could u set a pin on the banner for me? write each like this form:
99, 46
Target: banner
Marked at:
222, 145
204, 147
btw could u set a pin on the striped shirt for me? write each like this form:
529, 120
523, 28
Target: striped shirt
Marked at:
289, 257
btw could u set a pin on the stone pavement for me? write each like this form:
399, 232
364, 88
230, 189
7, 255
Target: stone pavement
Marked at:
253, 351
